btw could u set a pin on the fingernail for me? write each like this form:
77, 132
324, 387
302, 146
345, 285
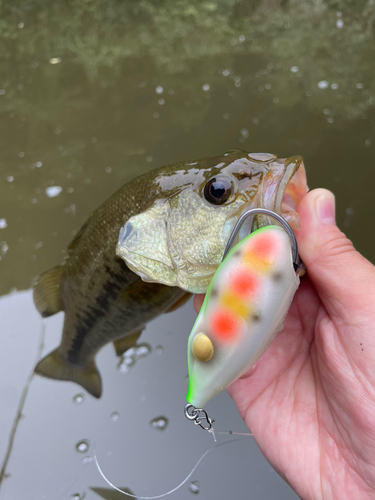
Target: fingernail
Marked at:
325, 208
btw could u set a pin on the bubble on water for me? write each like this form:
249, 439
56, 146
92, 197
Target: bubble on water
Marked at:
349, 211
294, 69
323, 84
334, 86
244, 133
226, 72
242, 38
71, 209
161, 102
226, 116
3, 247
159, 349
149, 158
267, 86
159, 423
10, 178
94, 140
78, 399
194, 487
359, 85
70, 190
21, 25
2, 91
330, 119
83, 446
38, 164
53, 191
206, 87
338, 13
132, 355
114, 416
368, 142
276, 100
78, 496
55, 60
21, 154
38, 245
156, 115
3, 223
143, 350
171, 92
159, 89
339, 23
108, 170
326, 111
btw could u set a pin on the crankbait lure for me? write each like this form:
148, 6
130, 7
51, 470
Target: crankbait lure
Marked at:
245, 306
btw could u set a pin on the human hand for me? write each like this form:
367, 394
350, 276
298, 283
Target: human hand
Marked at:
310, 399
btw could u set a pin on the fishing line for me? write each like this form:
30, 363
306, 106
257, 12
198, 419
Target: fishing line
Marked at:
184, 481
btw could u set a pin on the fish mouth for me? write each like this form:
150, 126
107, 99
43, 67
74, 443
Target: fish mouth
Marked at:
283, 187
292, 188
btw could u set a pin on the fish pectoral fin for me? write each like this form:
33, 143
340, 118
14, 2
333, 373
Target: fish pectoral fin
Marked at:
55, 366
180, 302
122, 344
46, 293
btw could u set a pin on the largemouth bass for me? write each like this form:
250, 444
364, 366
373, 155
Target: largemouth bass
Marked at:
173, 223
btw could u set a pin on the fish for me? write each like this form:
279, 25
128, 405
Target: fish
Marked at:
180, 241
245, 306
176, 220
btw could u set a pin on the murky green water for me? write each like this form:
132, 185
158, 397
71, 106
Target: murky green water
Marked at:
93, 94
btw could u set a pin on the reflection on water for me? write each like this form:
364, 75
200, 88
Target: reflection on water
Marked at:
79, 399
109, 494
132, 355
159, 423
114, 416
77, 496
83, 446
194, 487
96, 93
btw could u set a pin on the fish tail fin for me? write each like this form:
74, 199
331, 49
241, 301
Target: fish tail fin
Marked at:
47, 292
56, 367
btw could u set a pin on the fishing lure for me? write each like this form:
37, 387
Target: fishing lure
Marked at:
245, 306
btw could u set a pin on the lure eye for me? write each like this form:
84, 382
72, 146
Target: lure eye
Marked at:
217, 190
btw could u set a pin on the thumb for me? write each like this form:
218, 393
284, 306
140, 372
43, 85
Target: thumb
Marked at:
343, 278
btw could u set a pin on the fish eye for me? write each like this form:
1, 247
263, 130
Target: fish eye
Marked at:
217, 190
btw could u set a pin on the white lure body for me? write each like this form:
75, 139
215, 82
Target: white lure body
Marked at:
245, 306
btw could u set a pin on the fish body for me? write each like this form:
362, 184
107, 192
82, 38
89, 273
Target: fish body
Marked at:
244, 308
104, 300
